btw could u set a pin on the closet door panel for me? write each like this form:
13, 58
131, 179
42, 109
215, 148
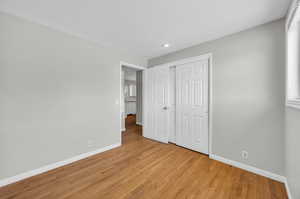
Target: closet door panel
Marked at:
157, 101
192, 106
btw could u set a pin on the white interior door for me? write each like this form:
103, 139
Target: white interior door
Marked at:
192, 106
156, 125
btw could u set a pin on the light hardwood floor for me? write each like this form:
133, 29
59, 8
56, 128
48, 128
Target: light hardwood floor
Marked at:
142, 168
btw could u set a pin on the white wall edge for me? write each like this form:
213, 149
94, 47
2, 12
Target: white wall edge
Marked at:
286, 184
22, 176
249, 168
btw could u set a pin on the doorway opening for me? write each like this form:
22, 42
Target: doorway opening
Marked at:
131, 98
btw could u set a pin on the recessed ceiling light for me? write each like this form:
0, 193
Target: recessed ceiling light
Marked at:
166, 45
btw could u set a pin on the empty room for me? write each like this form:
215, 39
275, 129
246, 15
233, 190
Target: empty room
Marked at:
196, 99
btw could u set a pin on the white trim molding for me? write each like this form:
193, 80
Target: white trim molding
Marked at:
249, 168
293, 103
186, 60
22, 176
122, 63
286, 184
291, 13
292, 84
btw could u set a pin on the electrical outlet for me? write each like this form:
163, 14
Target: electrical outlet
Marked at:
245, 155
90, 143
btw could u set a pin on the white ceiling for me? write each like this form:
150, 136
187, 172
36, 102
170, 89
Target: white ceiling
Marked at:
142, 26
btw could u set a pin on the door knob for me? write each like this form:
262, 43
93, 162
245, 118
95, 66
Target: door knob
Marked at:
165, 108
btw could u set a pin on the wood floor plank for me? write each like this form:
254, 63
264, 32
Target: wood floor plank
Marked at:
145, 169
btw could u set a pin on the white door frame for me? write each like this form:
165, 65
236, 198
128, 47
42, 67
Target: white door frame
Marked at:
208, 56
122, 63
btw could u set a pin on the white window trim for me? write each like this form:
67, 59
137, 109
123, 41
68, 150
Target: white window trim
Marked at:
291, 15
293, 103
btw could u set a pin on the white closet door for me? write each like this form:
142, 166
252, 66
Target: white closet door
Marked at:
192, 106
156, 125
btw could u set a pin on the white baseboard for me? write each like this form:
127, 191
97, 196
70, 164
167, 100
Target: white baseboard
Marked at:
252, 169
288, 189
139, 123
49, 167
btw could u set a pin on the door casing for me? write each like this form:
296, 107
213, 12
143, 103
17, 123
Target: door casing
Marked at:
122, 63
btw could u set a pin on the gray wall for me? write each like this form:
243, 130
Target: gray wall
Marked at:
292, 151
56, 93
248, 94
